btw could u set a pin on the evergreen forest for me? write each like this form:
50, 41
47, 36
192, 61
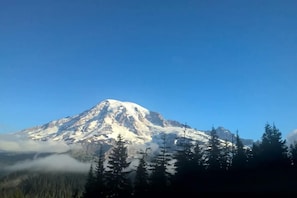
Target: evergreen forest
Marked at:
268, 166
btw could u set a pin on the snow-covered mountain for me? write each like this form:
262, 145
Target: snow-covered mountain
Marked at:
106, 120
101, 124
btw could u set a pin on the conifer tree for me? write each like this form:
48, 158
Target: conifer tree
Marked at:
273, 150
184, 164
239, 160
198, 158
213, 152
184, 159
89, 191
225, 156
100, 187
117, 177
141, 177
196, 177
189, 166
160, 176
255, 155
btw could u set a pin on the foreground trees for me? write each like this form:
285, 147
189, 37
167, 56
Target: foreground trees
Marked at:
219, 166
270, 165
189, 165
114, 181
273, 152
43, 184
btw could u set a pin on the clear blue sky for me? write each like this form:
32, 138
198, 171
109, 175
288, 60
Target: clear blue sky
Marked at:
206, 63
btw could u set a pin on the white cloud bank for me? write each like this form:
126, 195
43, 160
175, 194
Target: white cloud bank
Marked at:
12, 143
54, 162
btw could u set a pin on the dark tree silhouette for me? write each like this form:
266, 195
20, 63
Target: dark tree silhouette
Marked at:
141, 177
100, 177
189, 166
184, 165
270, 163
90, 188
213, 152
254, 157
239, 160
198, 158
159, 179
118, 182
273, 151
226, 156
184, 157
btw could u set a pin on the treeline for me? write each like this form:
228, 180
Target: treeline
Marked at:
268, 166
42, 184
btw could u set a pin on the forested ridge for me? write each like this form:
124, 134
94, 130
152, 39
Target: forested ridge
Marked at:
269, 165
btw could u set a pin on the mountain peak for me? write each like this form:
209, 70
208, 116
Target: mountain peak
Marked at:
106, 120
112, 103
116, 107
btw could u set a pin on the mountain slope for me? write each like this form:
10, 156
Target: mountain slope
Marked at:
102, 123
225, 134
106, 120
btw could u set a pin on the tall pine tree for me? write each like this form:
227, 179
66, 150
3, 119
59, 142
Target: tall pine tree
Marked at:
159, 179
141, 177
90, 189
273, 150
226, 156
184, 159
239, 160
100, 186
198, 158
118, 182
213, 152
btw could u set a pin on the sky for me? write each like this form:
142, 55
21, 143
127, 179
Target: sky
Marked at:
206, 63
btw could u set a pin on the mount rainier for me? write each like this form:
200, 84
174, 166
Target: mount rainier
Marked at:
103, 122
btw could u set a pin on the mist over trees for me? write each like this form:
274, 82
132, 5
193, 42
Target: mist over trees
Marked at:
269, 165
